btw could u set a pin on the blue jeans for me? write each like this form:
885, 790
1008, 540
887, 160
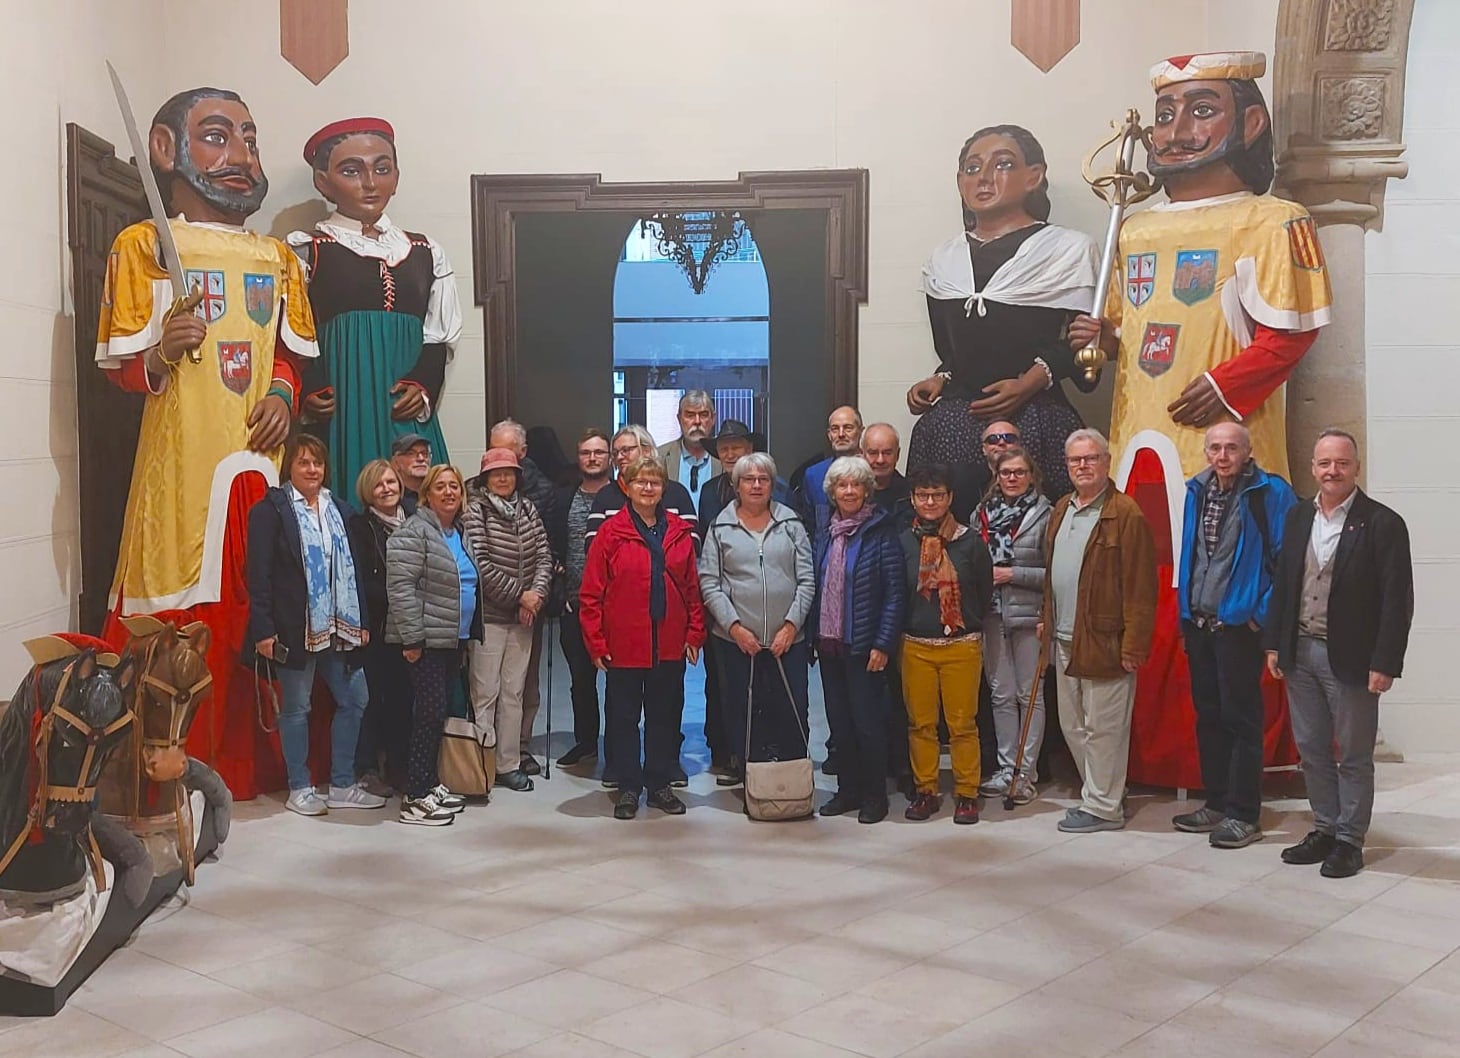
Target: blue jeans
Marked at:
345, 678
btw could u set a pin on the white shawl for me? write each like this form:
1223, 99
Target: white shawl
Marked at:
1053, 268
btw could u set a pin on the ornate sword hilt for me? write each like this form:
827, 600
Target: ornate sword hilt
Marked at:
1119, 188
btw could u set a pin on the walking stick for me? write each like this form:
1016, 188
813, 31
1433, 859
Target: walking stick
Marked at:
549, 642
1024, 727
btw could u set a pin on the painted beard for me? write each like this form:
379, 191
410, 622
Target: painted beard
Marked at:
1231, 145
244, 203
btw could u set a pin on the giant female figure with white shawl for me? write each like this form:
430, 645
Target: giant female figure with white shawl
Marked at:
1000, 295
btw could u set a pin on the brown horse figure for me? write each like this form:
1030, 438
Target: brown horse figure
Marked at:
147, 787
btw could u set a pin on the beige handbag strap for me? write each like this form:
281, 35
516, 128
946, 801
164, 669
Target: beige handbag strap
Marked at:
790, 704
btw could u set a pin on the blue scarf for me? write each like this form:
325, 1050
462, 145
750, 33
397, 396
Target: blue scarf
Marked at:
329, 579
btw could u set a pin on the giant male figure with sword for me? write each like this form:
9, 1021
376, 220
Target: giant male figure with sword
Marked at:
205, 319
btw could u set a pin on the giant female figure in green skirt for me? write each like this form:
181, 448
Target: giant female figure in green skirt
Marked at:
385, 305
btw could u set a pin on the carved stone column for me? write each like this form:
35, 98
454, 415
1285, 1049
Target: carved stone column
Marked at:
1338, 107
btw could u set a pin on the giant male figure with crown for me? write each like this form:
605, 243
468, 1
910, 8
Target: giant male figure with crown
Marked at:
1216, 295
220, 383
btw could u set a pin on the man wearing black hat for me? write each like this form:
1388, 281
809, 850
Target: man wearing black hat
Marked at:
734, 440
410, 456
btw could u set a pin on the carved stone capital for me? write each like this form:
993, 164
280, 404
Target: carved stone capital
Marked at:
1338, 83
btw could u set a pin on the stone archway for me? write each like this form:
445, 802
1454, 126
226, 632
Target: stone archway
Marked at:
1338, 88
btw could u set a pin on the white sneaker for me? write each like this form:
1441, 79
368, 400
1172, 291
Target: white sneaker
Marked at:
306, 802
354, 796
1024, 791
425, 812
446, 799
997, 784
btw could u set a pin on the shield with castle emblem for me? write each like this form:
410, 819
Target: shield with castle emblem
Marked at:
258, 297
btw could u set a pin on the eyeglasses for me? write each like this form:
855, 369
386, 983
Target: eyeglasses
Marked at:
930, 497
1084, 461
647, 483
1014, 472
1001, 439
755, 479
593, 453
626, 450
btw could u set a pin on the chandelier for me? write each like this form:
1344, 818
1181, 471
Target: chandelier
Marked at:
697, 242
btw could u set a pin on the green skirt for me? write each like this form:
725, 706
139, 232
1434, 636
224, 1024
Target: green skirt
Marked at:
365, 354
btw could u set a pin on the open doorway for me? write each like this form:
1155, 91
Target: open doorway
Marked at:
691, 310
547, 256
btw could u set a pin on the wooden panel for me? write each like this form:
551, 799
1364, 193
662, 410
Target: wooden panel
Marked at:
1045, 31
314, 35
103, 196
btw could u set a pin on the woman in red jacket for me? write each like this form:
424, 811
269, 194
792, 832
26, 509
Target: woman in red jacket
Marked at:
642, 620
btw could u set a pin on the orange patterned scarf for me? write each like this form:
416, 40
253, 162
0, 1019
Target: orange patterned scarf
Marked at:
936, 572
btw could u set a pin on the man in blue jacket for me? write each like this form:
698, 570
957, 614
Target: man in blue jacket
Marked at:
1230, 539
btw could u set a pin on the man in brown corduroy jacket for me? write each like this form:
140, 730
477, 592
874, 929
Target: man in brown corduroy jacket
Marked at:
1100, 610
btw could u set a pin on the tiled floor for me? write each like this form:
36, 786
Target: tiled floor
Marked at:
540, 927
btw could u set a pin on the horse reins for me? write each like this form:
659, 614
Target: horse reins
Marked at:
179, 699
83, 791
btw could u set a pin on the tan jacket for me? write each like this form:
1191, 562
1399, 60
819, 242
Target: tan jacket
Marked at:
670, 453
1115, 611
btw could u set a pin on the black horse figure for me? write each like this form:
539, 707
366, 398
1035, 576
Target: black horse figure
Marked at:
68, 714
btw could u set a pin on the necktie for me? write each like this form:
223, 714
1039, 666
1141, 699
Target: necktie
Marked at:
694, 477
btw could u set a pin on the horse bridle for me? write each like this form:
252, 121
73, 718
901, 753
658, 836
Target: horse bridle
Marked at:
179, 699
84, 790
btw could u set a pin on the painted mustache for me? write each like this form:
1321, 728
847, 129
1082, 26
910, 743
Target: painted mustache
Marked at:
1183, 148
229, 172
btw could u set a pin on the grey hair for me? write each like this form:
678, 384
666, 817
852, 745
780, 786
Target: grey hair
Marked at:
1334, 431
1243, 434
638, 433
761, 461
696, 398
849, 468
513, 427
1090, 434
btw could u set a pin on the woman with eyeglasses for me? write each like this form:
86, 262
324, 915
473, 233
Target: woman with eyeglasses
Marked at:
948, 584
1012, 521
1000, 296
642, 621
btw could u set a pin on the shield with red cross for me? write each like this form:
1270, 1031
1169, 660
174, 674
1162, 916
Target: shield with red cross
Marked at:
210, 283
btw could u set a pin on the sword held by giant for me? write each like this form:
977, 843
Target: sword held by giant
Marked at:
1120, 188
165, 242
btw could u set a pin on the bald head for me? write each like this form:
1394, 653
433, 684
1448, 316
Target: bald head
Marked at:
997, 437
844, 430
881, 448
1228, 447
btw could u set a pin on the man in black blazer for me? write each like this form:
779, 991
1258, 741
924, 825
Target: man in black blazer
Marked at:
1337, 628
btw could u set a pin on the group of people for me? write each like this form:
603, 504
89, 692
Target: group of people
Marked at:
1005, 548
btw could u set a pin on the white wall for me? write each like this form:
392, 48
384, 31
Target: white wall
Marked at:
664, 90
1414, 375
51, 72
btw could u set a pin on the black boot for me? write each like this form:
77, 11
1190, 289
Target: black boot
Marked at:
1312, 849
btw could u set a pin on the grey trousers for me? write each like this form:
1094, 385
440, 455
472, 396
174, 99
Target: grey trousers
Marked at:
1326, 713
1009, 657
1096, 718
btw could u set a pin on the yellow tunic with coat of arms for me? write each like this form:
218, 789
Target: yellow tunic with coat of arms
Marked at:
194, 435
1190, 281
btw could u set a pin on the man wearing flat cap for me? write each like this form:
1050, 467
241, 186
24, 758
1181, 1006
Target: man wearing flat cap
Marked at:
385, 300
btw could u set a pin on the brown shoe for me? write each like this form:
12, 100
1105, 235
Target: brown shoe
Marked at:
965, 812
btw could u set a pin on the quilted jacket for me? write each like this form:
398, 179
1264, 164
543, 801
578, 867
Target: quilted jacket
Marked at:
876, 593
512, 555
424, 587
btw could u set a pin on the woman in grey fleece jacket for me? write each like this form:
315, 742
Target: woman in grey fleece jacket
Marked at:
1012, 519
758, 582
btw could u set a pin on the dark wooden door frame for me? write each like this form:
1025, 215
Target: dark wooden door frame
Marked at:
497, 202
103, 195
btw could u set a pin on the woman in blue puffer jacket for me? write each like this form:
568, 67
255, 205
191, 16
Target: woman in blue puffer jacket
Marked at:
860, 593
